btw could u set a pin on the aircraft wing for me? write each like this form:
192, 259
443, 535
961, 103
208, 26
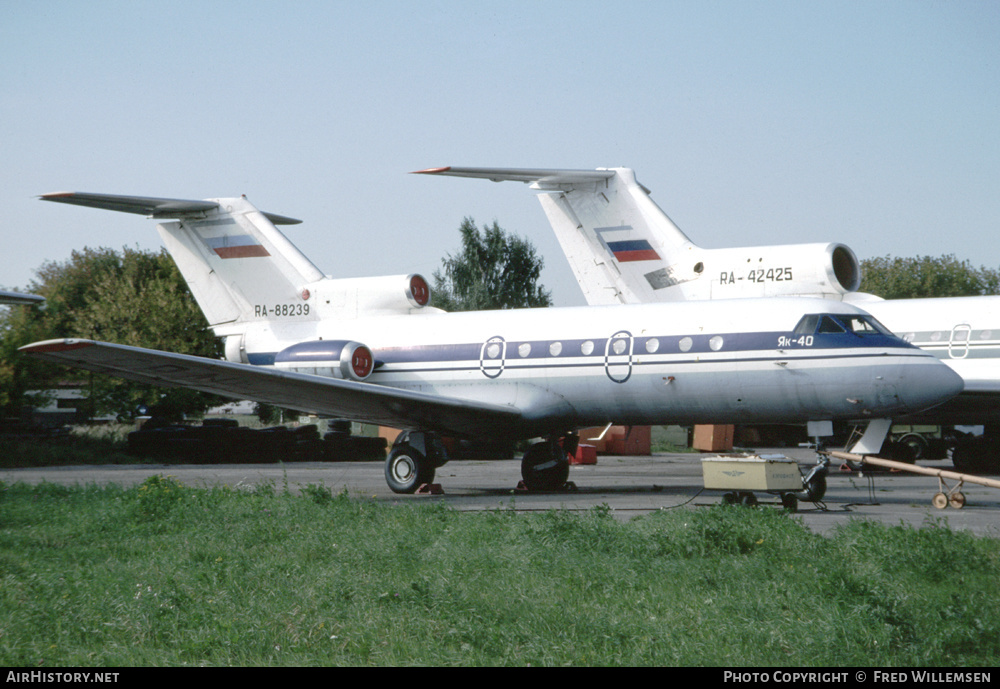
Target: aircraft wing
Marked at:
147, 205
540, 178
345, 399
19, 298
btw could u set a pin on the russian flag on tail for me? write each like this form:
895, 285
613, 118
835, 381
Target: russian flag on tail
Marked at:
633, 250
236, 246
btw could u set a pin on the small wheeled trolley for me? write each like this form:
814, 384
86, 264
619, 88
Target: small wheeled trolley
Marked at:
954, 497
743, 474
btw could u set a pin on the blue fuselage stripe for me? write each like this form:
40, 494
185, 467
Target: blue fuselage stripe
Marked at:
640, 350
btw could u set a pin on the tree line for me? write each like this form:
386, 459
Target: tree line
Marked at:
139, 298
131, 297
926, 276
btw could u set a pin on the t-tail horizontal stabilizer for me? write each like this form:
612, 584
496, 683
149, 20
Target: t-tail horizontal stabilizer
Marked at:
148, 205
20, 298
539, 178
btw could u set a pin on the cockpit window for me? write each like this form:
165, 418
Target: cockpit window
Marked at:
863, 325
839, 323
807, 324
828, 325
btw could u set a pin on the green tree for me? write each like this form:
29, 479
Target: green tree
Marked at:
129, 297
926, 276
493, 270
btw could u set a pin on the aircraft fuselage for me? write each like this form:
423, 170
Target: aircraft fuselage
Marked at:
708, 362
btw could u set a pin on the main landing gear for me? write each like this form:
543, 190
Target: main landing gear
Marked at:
978, 454
416, 455
545, 465
412, 461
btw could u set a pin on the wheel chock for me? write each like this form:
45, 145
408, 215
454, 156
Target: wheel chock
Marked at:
430, 489
567, 487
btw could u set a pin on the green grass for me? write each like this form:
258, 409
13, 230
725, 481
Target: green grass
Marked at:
161, 574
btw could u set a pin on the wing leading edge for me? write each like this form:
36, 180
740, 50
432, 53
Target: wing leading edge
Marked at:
330, 397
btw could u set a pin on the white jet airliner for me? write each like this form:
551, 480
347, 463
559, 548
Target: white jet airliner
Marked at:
372, 350
623, 249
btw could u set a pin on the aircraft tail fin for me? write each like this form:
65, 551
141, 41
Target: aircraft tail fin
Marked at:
239, 266
619, 243
623, 249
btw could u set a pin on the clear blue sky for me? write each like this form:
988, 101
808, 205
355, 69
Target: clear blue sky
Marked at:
872, 123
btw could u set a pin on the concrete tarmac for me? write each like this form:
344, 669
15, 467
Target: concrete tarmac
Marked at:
630, 486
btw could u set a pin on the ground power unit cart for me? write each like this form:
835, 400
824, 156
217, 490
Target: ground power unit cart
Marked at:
744, 475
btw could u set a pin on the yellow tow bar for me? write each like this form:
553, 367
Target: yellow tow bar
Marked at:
954, 496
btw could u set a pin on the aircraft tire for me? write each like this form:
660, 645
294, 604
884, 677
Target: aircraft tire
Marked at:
816, 488
917, 443
899, 452
976, 456
545, 467
406, 470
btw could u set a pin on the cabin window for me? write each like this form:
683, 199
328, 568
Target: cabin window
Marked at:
555, 349
587, 348
524, 350
652, 345
716, 343
685, 344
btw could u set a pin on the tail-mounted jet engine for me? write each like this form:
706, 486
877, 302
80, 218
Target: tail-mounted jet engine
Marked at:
331, 358
829, 270
358, 297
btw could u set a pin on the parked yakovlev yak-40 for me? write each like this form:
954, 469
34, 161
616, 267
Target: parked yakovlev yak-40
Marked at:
372, 350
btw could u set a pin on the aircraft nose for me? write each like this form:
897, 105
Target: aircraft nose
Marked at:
932, 385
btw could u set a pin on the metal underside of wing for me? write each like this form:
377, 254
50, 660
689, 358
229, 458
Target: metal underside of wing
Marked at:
320, 395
